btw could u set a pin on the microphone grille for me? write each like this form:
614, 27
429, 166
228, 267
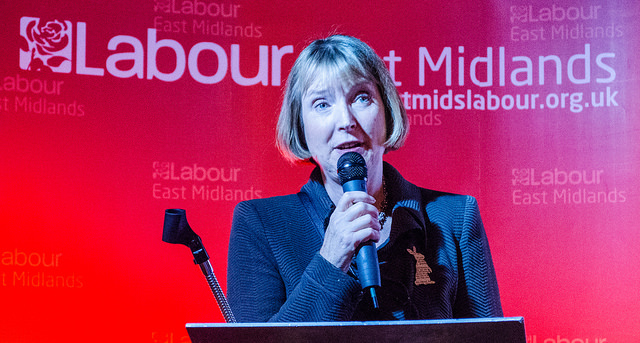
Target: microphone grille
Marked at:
351, 166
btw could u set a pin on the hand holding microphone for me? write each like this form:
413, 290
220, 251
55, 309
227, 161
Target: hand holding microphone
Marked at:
354, 225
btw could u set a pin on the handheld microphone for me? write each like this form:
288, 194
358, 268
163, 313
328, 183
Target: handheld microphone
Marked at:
352, 170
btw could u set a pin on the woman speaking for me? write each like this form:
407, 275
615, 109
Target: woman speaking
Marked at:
291, 258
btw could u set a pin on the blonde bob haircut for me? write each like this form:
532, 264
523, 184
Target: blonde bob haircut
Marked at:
345, 57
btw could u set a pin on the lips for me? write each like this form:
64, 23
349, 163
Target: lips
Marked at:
349, 145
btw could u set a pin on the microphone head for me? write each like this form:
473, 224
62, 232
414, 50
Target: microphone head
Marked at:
176, 230
351, 166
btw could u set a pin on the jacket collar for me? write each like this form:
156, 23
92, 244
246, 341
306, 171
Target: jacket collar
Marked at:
404, 198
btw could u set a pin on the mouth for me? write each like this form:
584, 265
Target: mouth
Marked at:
349, 145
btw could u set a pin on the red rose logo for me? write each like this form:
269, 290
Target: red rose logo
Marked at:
520, 176
47, 45
161, 170
49, 38
519, 14
162, 6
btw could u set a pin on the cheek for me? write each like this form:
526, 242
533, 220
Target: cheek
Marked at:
378, 128
313, 134
382, 126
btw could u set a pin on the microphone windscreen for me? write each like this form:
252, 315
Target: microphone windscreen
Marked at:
351, 166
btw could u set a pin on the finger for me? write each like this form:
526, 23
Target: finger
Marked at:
360, 209
350, 198
365, 235
366, 222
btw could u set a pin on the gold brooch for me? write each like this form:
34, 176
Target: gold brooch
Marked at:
422, 268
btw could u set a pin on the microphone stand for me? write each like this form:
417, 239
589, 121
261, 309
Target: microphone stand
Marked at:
176, 230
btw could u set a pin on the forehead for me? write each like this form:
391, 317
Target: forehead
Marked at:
325, 77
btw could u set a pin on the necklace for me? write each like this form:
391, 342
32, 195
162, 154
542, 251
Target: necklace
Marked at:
382, 215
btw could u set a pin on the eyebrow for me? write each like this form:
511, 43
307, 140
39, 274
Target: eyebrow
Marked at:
315, 94
321, 92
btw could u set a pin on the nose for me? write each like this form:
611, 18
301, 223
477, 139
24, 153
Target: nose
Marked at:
345, 120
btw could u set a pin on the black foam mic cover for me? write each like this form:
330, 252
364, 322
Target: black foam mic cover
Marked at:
352, 170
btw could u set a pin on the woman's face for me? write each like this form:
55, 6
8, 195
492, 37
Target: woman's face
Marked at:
341, 115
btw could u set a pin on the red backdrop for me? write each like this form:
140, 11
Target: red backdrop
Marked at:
111, 112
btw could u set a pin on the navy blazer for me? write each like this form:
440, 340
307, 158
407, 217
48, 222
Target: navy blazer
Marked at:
436, 263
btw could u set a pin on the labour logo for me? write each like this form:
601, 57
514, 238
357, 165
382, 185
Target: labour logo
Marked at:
162, 5
518, 14
46, 45
520, 176
161, 170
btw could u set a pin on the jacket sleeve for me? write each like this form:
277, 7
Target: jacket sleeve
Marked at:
258, 266
477, 294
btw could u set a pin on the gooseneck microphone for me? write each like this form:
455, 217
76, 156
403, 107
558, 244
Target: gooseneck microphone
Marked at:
176, 230
352, 170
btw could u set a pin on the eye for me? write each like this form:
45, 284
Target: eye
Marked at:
362, 98
320, 105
